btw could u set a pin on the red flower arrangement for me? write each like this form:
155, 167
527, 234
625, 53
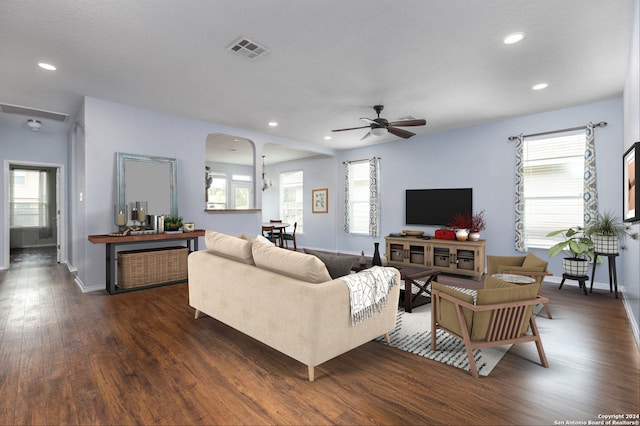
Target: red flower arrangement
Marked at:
473, 222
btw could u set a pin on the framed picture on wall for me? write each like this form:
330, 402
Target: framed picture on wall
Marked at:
631, 191
319, 200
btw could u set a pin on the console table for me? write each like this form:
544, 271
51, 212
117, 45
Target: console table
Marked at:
449, 256
111, 242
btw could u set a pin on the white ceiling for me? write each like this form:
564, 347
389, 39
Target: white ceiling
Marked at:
328, 62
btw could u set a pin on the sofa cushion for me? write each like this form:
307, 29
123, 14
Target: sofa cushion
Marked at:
534, 263
488, 296
338, 266
301, 266
447, 311
234, 248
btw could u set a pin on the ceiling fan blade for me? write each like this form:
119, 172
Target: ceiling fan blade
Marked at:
365, 136
400, 132
368, 120
350, 128
420, 122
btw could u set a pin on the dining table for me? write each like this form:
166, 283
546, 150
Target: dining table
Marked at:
278, 228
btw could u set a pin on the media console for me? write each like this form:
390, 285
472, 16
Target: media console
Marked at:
450, 256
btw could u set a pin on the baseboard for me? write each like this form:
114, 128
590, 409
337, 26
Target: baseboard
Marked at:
83, 288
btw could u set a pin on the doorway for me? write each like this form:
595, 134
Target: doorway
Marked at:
33, 210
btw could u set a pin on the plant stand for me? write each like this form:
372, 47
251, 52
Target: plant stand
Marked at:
613, 276
582, 281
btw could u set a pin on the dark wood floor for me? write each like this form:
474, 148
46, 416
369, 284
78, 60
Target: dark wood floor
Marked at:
141, 358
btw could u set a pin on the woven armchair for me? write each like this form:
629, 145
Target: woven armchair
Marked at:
501, 315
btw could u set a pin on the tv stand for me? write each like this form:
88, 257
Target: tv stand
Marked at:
450, 256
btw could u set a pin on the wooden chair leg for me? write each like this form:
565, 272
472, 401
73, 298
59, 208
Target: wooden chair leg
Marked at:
546, 309
198, 314
387, 338
534, 330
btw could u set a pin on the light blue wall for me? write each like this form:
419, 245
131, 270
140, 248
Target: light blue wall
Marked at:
109, 128
481, 157
23, 145
631, 262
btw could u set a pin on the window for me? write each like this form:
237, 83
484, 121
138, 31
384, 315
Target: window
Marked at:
29, 202
236, 193
217, 192
552, 186
291, 196
361, 214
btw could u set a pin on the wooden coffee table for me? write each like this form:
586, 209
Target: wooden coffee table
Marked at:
411, 276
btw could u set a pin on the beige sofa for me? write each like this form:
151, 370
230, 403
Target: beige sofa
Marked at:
282, 298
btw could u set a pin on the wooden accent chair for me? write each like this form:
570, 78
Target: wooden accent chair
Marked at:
529, 265
501, 315
286, 237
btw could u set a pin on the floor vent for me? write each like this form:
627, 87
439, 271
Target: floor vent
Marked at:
247, 48
32, 112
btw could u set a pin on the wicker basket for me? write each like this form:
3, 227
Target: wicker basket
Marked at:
152, 266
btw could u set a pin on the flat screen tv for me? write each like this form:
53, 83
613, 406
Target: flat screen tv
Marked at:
436, 206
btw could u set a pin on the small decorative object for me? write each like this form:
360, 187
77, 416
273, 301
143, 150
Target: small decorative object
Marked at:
160, 224
319, 200
384, 261
607, 231
376, 255
472, 223
120, 215
172, 223
631, 190
462, 234
411, 233
188, 227
363, 260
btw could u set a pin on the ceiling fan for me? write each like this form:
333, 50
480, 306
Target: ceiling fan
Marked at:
380, 126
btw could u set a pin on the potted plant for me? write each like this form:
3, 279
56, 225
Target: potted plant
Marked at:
460, 222
172, 223
608, 231
578, 246
477, 224
468, 224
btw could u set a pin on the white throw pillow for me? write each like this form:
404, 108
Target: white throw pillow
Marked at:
228, 246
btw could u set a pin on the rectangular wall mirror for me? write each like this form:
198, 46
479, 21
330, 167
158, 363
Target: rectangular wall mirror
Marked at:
150, 179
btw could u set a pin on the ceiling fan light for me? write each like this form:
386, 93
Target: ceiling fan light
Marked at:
378, 131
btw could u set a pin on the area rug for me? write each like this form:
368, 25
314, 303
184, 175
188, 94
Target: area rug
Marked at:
413, 334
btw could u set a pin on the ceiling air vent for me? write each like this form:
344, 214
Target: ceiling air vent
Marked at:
32, 112
247, 48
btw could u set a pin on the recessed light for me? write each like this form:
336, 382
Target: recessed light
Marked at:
539, 86
46, 66
327, 138
273, 124
513, 38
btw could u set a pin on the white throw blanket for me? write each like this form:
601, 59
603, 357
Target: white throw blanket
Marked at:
368, 291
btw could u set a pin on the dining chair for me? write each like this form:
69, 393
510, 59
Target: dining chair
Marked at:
277, 232
268, 232
286, 237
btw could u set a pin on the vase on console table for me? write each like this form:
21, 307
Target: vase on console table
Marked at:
462, 234
474, 236
376, 255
